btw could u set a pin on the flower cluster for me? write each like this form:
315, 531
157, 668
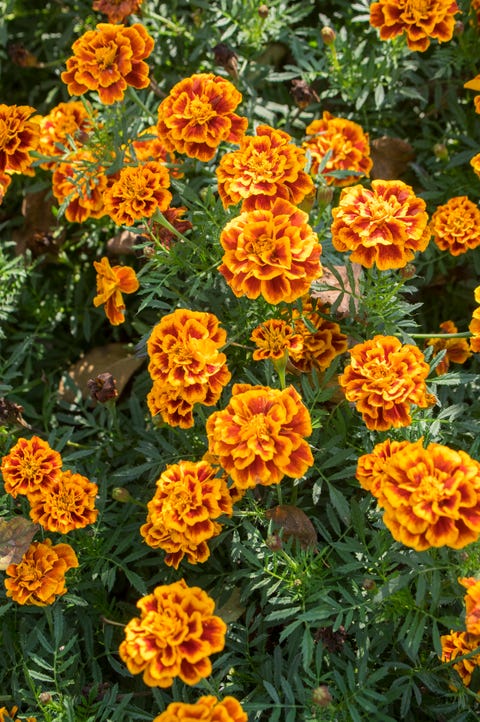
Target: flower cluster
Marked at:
19, 135
457, 349
456, 644
420, 20
206, 709
111, 283
474, 326
455, 226
322, 339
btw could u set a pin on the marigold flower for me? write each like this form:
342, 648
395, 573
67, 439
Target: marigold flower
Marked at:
5, 181
180, 520
474, 85
346, 144
112, 281
475, 163
19, 134
457, 349
107, 60
198, 115
267, 166
79, 182
420, 20
117, 10
174, 636
472, 604
474, 326
455, 645
259, 437
30, 465
9, 716
168, 401
67, 503
370, 466
40, 576
148, 146
273, 253
138, 192
319, 347
163, 235
385, 225
383, 379
66, 122
455, 226
273, 339
206, 709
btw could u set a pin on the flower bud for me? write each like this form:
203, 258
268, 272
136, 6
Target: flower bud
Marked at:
263, 10
44, 697
324, 195
440, 151
321, 696
119, 493
328, 35
102, 388
274, 542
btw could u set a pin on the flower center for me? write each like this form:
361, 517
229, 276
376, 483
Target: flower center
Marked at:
200, 111
262, 245
431, 489
105, 56
417, 7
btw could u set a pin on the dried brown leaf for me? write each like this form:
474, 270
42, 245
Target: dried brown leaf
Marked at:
294, 523
391, 157
15, 537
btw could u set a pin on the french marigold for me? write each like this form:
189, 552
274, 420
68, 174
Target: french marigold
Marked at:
188, 498
79, 183
320, 346
117, 10
198, 115
472, 604
457, 349
67, 503
474, 85
9, 716
457, 644
455, 226
275, 338
30, 465
138, 192
19, 135
267, 166
259, 437
337, 144
384, 378
148, 146
272, 252
475, 163
384, 226
160, 233
420, 20
112, 281
66, 122
5, 181
40, 575
370, 466
167, 401
206, 709
174, 636
108, 59
474, 326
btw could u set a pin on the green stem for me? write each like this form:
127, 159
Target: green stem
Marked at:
464, 334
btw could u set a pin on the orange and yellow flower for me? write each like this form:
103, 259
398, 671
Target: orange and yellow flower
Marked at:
9, 715
260, 437
137, 193
273, 253
457, 644
19, 135
384, 378
475, 163
78, 183
337, 144
112, 281
474, 85
5, 181
67, 503
457, 349
198, 115
275, 338
167, 401
320, 346
474, 326
148, 146
370, 466
384, 226
188, 498
420, 20
174, 636
40, 575
267, 166
108, 59
455, 226
66, 122
206, 709
117, 10
30, 465
472, 604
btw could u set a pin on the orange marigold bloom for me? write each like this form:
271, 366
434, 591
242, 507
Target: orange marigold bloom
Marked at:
107, 60
198, 115
370, 466
67, 503
168, 401
457, 349
472, 603
180, 520
30, 465
385, 225
267, 166
259, 437
40, 575
455, 226
117, 10
475, 163
19, 134
148, 146
111, 283
273, 339
474, 85
138, 192
66, 122
205, 709
5, 181
9, 716
455, 645
174, 636
319, 347
383, 379
79, 182
420, 20
346, 144
163, 235
273, 253
474, 326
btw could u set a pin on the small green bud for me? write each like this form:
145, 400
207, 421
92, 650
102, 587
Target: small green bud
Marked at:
121, 494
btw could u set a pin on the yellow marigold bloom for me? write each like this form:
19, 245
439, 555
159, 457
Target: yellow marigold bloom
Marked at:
180, 520
420, 20
174, 636
346, 144
259, 437
455, 645
80, 183
273, 339
138, 192
272, 252
167, 400
384, 378
40, 575
455, 226
206, 709
30, 465
474, 326
457, 349
9, 716
472, 604
267, 166
117, 10
370, 466
107, 60
475, 85
68, 503
475, 163
385, 225
66, 122
111, 283
19, 134
319, 347
198, 115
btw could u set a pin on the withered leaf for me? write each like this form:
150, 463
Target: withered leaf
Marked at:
390, 157
295, 523
15, 537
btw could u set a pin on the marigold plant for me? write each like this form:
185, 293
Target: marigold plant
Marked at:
457, 644
206, 709
78, 183
322, 339
67, 503
31, 464
419, 20
112, 281
19, 135
117, 10
472, 604
455, 226
457, 349
138, 192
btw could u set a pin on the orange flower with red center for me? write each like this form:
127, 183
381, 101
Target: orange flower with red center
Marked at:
138, 192
274, 338
273, 253
111, 283
320, 346
68, 503
174, 636
39, 578
30, 465
107, 60
117, 10
384, 226
206, 709
267, 166
474, 326
198, 115
475, 163
66, 122
384, 378
455, 226
188, 498
457, 349
420, 20
78, 183
456, 644
19, 135
260, 437
337, 144
370, 466
168, 401
472, 604
474, 85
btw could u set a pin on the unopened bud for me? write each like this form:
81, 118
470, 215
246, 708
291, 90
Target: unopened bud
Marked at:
274, 542
458, 28
263, 10
328, 35
440, 151
119, 493
368, 584
44, 697
321, 696
408, 271
324, 196
303, 93
102, 388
